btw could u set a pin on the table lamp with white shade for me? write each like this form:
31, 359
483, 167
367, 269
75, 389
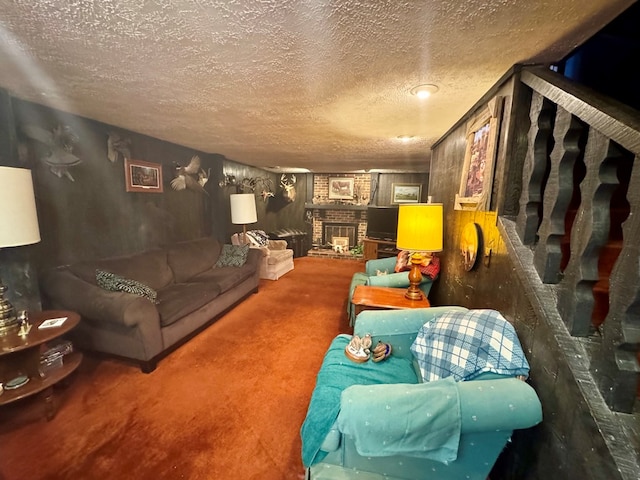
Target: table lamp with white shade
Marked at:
419, 231
18, 226
243, 211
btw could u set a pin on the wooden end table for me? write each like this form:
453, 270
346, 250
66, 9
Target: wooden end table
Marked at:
21, 356
380, 298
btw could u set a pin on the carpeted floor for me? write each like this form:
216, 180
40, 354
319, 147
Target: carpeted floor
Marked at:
226, 405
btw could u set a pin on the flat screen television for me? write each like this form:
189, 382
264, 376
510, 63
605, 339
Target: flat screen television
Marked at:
382, 223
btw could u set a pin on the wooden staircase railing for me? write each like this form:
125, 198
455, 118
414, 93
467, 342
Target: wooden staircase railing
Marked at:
580, 211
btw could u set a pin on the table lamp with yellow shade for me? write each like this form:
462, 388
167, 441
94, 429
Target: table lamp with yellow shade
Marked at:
419, 231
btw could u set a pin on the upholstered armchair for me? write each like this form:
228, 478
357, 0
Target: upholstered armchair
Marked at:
277, 259
380, 421
381, 273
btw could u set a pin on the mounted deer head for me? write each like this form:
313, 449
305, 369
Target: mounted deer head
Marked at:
288, 184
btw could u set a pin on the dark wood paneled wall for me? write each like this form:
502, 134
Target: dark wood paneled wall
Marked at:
92, 216
274, 214
386, 181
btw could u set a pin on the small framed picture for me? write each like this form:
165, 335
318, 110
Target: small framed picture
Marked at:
143, 176
341, 188
340, 244
480, 155
406, 192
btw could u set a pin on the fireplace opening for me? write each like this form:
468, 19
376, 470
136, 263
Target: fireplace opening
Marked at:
348, 230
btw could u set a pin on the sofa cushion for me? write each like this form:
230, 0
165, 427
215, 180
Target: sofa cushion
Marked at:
190, 258
467, 344
233, 255
180, 299
149, 268
225, 277
116, 283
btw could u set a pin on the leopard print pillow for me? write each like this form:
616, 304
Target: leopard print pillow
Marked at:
116, 283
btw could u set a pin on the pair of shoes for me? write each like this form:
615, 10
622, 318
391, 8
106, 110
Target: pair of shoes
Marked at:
358, 349
381, 352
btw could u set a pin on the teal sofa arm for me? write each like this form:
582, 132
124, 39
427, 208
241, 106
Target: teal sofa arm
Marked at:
499, 405
398, 327
503, 404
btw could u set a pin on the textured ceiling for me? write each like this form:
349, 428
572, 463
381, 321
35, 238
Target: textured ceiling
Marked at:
308, 84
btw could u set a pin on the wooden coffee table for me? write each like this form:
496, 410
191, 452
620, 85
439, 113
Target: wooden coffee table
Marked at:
21, 356
381, 298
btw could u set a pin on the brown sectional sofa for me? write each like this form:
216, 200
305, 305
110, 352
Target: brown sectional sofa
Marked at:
191, 292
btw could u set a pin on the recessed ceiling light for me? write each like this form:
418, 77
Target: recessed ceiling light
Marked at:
424, 90
405, 138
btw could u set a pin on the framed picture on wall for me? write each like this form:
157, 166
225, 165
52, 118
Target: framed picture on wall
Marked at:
406, 192
142, 176
479, 159
341, 188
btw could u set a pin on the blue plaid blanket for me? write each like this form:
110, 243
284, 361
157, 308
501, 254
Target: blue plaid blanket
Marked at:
467, 344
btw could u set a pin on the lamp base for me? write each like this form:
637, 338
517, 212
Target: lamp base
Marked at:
415, 278
8, 319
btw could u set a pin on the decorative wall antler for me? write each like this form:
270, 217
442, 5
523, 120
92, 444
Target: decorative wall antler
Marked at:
266, 185
288, 185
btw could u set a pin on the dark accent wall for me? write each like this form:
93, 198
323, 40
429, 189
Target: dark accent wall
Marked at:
607, 61
386, 181
92, 216
274, 214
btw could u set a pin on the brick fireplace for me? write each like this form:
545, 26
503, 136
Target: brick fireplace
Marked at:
338, 218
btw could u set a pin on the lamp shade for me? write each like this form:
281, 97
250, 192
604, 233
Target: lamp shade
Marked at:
19, 219
420, 227
243, 208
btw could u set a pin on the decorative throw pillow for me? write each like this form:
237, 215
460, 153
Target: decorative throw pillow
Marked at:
233, 255
116, 283
258, 238
466, 344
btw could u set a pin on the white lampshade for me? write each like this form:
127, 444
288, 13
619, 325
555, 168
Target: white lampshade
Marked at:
19, 219
243, 208
420, 227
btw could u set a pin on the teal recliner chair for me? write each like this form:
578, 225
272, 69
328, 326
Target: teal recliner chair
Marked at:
388, 278
389, 397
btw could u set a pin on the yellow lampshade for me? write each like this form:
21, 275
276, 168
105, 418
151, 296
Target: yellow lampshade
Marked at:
420, 227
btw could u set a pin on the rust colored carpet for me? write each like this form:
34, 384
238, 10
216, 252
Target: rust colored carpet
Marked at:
228, 404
